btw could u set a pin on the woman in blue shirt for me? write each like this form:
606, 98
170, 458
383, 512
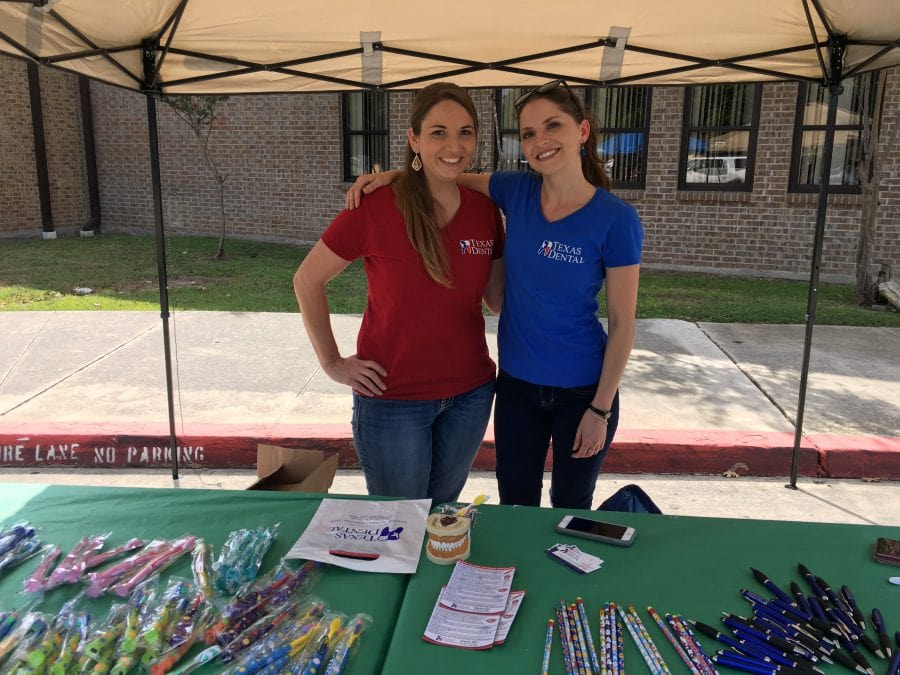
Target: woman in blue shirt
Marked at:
566, 237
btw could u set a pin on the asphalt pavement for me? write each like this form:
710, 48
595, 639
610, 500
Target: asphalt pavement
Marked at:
88, 389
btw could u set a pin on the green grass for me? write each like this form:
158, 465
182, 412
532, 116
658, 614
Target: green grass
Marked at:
256, 277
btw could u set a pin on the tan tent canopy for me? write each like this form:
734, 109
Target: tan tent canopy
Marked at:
256, 46
286, 46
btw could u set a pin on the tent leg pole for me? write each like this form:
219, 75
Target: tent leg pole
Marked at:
161, 271
822, 210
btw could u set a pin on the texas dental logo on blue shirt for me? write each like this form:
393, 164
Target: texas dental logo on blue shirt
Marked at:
476, 246
556, 250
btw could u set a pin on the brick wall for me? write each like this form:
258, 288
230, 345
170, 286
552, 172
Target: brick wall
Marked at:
20, 209
282, 158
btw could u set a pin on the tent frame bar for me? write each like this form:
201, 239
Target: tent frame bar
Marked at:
149, 59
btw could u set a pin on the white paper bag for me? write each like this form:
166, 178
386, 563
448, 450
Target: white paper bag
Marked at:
365, 535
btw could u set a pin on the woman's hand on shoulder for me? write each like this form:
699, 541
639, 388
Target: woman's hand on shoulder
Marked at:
366, 184
363, 376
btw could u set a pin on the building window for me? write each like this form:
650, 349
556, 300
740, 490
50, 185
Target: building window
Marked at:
622, 115
508, 155
365, 129
856, 102
718, 142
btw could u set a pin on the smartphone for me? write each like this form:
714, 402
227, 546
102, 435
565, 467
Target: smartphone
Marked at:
887, 551
620, 535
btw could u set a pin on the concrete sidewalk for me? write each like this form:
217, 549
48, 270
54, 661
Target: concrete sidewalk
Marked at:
88, 389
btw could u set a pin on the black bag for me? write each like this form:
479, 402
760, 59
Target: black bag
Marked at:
630, 499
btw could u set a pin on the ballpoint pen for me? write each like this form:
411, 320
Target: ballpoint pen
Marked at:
851, 601
768, 583
778, 655
812, 583
780, 643
883, 638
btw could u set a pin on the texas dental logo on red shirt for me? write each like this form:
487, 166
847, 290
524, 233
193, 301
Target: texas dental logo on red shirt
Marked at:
557, 250
476, 246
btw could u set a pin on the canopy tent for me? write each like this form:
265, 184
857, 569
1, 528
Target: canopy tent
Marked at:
291, 46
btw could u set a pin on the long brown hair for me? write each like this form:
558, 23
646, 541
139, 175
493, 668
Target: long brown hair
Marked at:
591, 164
414, 199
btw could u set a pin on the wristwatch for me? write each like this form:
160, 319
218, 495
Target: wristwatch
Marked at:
599, 412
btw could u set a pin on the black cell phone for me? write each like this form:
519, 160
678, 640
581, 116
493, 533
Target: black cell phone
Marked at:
887, 551
610, 533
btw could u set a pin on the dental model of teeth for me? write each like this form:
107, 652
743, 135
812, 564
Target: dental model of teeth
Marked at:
448, 538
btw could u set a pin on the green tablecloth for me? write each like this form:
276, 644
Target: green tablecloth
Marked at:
693, 566
65, 514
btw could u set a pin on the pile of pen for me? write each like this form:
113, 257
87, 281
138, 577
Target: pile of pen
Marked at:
799, 633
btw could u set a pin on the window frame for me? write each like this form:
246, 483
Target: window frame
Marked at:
687, 129
347, 133
501, 132
645, 130
799, 128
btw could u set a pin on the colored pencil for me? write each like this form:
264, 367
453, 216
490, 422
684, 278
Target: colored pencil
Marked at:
674, 642
648, 641
587, 632
548, 643
638, 640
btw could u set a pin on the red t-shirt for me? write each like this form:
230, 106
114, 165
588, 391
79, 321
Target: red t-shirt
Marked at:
429, 338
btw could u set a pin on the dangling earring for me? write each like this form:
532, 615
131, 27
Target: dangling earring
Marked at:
417, 163
583, 151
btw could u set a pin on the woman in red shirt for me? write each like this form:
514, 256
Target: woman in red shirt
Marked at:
422, 379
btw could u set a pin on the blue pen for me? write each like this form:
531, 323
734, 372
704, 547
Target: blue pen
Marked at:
881, 629
812, 583
742, 664
857, 655
773, 652
780, 643
858, 616
771, 585
800, 598
749, 660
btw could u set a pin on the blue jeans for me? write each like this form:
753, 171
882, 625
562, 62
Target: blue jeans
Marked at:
419, 449
526, 417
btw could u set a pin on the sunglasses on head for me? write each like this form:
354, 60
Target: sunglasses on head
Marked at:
546, 88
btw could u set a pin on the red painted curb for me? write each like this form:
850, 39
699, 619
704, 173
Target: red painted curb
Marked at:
634, 451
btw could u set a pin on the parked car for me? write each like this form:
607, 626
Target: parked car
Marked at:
726, 169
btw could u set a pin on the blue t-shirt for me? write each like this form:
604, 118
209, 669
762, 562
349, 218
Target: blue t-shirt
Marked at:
549, 333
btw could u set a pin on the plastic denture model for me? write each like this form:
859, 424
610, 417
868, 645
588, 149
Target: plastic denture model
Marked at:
448, 538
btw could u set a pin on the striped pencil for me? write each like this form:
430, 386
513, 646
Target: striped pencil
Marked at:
648, 641
690, 644
563, 639
582, 641
582, 612
620, 645
673, 641
548, 644
581, 666
601, 634
638, 640
615, 638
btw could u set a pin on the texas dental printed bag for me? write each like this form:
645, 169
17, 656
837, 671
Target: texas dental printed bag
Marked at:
364, 535
630, 499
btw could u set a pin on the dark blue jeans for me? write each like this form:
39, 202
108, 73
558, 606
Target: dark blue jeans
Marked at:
526, 417
419, 449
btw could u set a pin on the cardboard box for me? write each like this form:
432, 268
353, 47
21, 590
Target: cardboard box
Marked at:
294, 470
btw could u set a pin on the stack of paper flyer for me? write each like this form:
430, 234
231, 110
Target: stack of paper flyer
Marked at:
476, 608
